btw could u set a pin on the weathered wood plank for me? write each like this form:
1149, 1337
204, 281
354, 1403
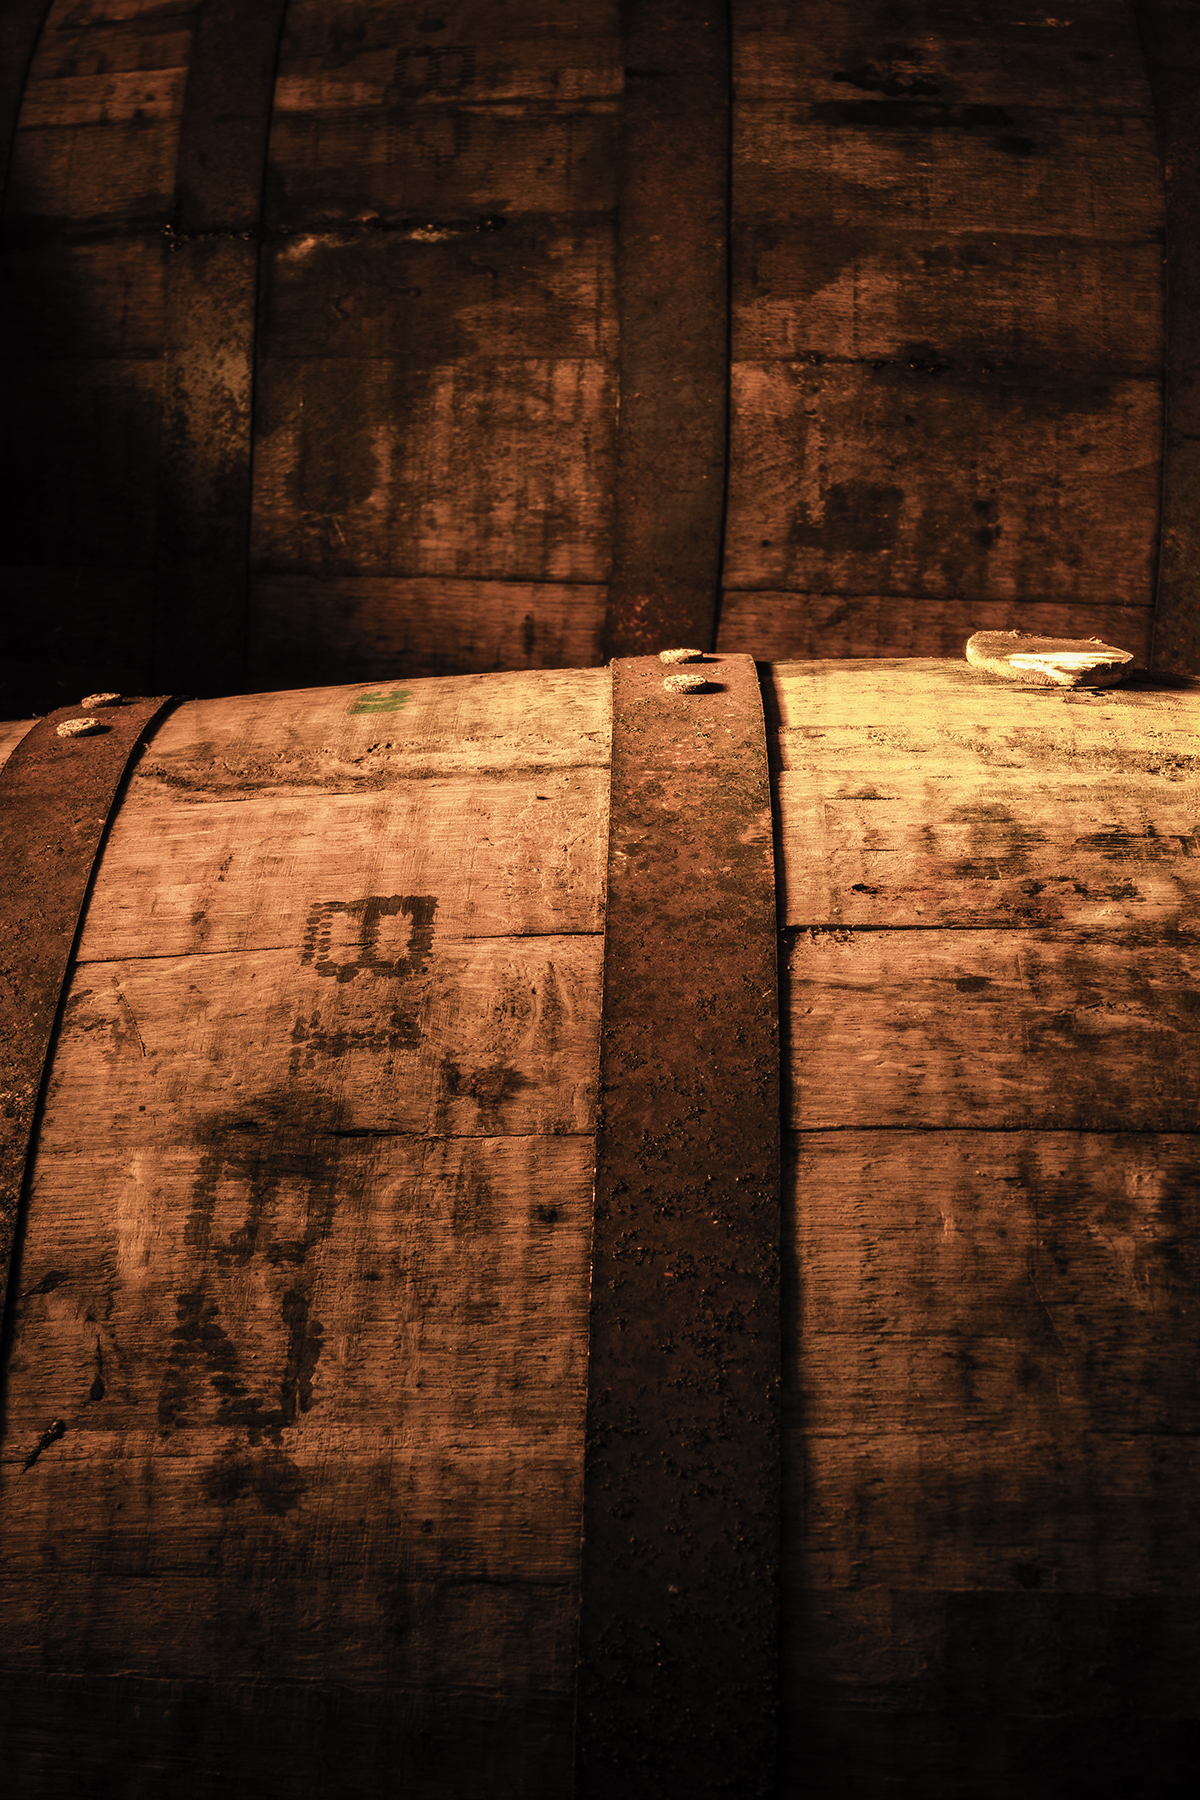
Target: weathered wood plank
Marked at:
897, 850
997, 816
391, 1331
506, 856
993, 1029
306, 1267
204, 489
1018, 169
947, 256
343, 739
893, 480
1171, 34
865, 288
508, 157
477, 1037
351, 627
927, 53
673, 218
378, 467
115, 96
919, 704
366, 27
434, 295
767, 624
989, 1375
99, 122
437, 389
1021, 1281
463, 46
11, 733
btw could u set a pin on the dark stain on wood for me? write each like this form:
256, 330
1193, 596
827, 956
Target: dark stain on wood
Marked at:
927, 384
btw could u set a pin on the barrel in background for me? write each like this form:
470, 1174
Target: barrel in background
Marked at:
363, 422
947, 329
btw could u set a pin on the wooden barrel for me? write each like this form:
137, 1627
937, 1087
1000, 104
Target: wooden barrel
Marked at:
300, 1437
347, 341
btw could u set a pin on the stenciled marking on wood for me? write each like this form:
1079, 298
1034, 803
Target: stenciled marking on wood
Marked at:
55, 798
680, 1544
312, 1206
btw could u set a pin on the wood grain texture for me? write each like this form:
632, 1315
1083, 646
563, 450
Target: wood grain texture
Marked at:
965, 52
11, 733
375, 626
99, 123
284, 1471
924, 794
997, 1030
306, 1267
1030, 1280
947, 321
497, 470
990, 1456
776, 626
369, 736
989, 1369
921, 702
508, 854
848, 478
437, 386
1170, 31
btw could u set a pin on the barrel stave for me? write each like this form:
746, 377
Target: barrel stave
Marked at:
989, 1235
306, 1266
947, 329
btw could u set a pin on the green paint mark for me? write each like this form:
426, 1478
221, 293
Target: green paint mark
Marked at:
369, 703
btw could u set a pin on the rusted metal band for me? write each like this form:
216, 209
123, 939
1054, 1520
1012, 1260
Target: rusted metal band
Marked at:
673, 304
1170, 31
678, 1636
212, 299
56, 797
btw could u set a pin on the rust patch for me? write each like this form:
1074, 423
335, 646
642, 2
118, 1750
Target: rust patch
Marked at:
681, 1499
56, 797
